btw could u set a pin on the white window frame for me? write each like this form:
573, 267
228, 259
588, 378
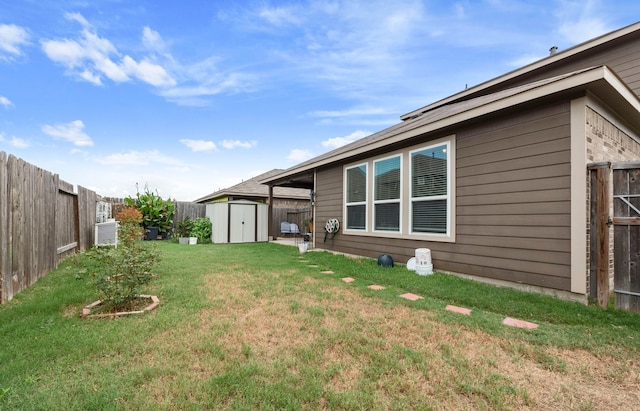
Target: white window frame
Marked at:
446, 196
356, 203
389, 201
405, 195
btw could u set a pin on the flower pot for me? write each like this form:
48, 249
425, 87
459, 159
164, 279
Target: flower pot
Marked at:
193, 240
302, 247
151, 233
183, 240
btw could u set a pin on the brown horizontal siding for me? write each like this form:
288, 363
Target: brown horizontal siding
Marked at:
543, 244
513, 203
514, 200
548, 171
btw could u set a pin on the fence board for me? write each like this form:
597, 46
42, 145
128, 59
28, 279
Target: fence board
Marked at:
41, 221
5, 259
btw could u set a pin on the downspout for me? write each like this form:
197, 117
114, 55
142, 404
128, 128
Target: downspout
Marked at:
270, 215
313, 207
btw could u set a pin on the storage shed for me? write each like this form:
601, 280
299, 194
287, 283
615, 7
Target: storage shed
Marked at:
238, 221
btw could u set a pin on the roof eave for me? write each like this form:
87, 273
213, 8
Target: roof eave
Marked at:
601, 79
572, 51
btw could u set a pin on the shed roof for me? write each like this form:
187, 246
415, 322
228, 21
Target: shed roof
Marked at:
254, 188
600, 81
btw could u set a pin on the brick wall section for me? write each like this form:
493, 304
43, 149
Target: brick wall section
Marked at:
606, 142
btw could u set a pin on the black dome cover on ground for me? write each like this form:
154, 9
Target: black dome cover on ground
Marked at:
385, 260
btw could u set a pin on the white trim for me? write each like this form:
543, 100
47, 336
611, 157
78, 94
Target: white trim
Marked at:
447, 197
345, 203
579, 196
405, 200
375, 202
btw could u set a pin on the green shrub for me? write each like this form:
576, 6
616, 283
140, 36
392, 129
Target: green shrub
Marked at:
202, 228
156, 212
185, 227
120, 272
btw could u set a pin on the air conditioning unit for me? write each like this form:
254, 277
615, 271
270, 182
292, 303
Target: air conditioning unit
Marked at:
107, 233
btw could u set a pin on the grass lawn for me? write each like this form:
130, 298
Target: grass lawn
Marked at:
259, 326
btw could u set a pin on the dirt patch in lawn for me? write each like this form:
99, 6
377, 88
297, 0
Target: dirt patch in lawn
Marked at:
397, 354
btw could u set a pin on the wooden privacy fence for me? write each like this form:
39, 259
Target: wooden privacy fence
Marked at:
183, 209
42, 220
300, 216
615, 201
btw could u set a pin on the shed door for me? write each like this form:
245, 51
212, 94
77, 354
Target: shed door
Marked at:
242, 223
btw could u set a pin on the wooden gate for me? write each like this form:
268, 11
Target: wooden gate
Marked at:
615, 188
626, 234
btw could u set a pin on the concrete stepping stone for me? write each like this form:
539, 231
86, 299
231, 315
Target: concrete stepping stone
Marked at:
326, 272
348, 279
376, 287
411, 297
514, 322
459, 310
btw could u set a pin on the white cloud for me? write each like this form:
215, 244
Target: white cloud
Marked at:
148, 72
231, 144
298, 155
280, 16
12, 38
71, 132
336, 142
581, 20
93, 58
14, 142
5, 102
138, 158
200, 145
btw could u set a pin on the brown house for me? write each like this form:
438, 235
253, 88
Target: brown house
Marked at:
493, 180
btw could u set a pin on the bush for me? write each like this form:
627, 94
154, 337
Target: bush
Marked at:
156, 212
202, 228
121, 272
185, 227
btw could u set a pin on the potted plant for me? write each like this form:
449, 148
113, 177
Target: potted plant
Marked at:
202, 229
184, 229
157, 214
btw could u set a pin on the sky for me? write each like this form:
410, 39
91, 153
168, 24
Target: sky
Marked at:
187, 98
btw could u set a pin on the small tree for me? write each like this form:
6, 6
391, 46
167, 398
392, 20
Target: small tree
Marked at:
120, 272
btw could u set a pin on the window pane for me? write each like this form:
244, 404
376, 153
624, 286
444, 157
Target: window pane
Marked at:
356, 217
429, 216
387, 173
357, 184
388, 217
429, 172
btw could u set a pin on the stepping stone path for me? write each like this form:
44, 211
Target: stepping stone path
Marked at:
512, 322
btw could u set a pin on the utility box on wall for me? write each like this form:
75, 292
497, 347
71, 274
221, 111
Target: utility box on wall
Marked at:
238, 221
106, 233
